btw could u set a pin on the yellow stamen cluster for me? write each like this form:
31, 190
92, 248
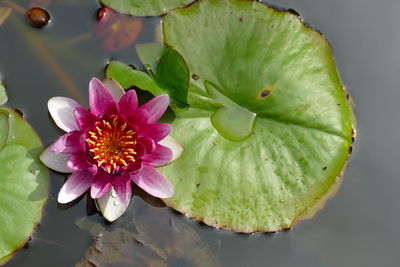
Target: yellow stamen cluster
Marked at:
111, 143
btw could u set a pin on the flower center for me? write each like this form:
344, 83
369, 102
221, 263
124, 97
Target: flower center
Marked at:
111, 143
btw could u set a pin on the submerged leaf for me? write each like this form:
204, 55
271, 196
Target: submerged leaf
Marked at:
117, 31
151, 237
145, 7
276, 93
24, 184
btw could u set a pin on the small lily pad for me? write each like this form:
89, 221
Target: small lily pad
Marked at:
24, 184
269, 128
145, 7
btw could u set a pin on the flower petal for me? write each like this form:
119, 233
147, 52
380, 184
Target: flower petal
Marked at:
151, 181
79, 162
156, 107
122, 185
106, 204
128, 103
75, 186
62, 111
67, 144
139, 117
156, 131
101, 185
148, 144
54, 161
100, 100
84, 118
114, 88
161, 155
174, 145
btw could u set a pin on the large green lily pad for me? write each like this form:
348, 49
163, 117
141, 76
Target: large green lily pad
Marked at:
24, 184
145, 7
269, 127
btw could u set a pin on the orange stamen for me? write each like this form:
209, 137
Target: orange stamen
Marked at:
111, 143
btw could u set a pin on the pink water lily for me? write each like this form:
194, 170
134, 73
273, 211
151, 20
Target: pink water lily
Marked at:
112, 144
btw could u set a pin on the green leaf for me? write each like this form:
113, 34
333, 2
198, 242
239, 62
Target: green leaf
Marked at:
172, 74
127, 77
168, 72
168, 69
145, 7
267, 63
24, 183
149, 54
3, 130
3, 94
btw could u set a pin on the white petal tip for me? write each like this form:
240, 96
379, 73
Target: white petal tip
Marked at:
62, 111
57, 162
174, 145
110, 205
114, 88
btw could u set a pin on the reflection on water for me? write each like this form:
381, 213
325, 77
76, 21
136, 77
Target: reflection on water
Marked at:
146, 236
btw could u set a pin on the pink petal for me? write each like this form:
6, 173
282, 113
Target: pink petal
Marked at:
114, 88
75, 186
84, 118
148, 144
101, 185
57, 162
139, 117
67, 144
156, 132
156, 107
100, 100
161, 155
128, 103
122, 186
62, 111
80, 162
151, 181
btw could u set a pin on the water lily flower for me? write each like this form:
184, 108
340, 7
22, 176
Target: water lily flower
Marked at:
112, 144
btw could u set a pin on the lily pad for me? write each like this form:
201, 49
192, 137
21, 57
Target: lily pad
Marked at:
145, 7
24, 183
269, 128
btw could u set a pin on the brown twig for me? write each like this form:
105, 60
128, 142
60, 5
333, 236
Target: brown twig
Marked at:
74, 40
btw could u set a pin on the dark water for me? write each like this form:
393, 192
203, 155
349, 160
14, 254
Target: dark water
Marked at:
358, 227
